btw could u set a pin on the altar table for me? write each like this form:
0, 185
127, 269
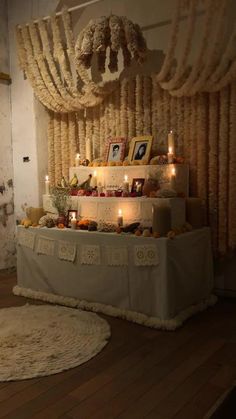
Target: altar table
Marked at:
178, 275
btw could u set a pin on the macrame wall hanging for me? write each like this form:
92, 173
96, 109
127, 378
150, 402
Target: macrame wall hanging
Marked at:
197, 101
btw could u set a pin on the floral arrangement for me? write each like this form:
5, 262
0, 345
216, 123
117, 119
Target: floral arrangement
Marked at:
61, 199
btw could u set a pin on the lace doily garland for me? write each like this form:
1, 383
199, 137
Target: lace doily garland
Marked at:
66, 251
45, 246
90, 255
116, 256
26, 238
146, 255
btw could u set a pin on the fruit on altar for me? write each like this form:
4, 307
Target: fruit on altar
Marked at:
138, 233
119, 163
60, 225
154, 160
50, 223
130, 228
125, 163
34, 225
146, 232
171, 234
27, 223
104, 163
156, 235
81, 192
74, 181
111, 163
118, 230
92, 226
102, 194
83, 224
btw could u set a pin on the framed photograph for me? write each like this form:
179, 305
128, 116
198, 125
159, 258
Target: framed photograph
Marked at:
140, 148
71, 214
115, 149
137, 186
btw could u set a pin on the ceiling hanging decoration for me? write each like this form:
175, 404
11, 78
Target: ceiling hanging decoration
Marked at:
55, 68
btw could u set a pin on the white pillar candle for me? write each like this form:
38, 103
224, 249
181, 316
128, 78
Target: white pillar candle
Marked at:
77, 160
171, 141
126, 184
173, 179
88, 149
170, 155
94, 181
161, 219
120, 218
47, 185
100, 188
73, 222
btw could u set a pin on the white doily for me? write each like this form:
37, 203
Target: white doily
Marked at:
45, 246
90, 255
146, 255
66, 250
116, 256
26, 238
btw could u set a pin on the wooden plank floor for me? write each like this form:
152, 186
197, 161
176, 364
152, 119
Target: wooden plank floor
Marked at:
142, 373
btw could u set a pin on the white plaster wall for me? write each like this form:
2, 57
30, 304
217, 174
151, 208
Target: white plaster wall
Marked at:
7, 225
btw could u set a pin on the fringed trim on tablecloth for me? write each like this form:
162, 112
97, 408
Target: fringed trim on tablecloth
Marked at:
139, 318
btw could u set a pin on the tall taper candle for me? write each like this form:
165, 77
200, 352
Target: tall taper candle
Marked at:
171, 141
77, 160
47, 185
120, 218
88, 149
173, 179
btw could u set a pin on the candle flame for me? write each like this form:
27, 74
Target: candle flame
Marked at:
77, 155
173, 171
120, 212
95, 173
47, 178
73, 217
170, 150
126, 178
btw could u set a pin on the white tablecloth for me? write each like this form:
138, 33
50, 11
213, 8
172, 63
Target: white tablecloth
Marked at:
183, 276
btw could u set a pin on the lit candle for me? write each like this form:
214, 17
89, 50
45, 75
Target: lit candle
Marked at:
94, 179
88, 149
77, 160
170, 155
126, 184
47, 185
120, 218
171, 141
173, 179
73, 222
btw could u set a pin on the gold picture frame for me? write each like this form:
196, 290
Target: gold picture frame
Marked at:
140, 149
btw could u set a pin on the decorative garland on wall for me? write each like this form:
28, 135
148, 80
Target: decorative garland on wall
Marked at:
206, 141
178, 97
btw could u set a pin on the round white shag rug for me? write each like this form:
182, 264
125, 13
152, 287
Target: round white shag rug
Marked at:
39, 340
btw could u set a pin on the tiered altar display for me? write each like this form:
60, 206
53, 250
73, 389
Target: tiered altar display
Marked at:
134, 209
158, 282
